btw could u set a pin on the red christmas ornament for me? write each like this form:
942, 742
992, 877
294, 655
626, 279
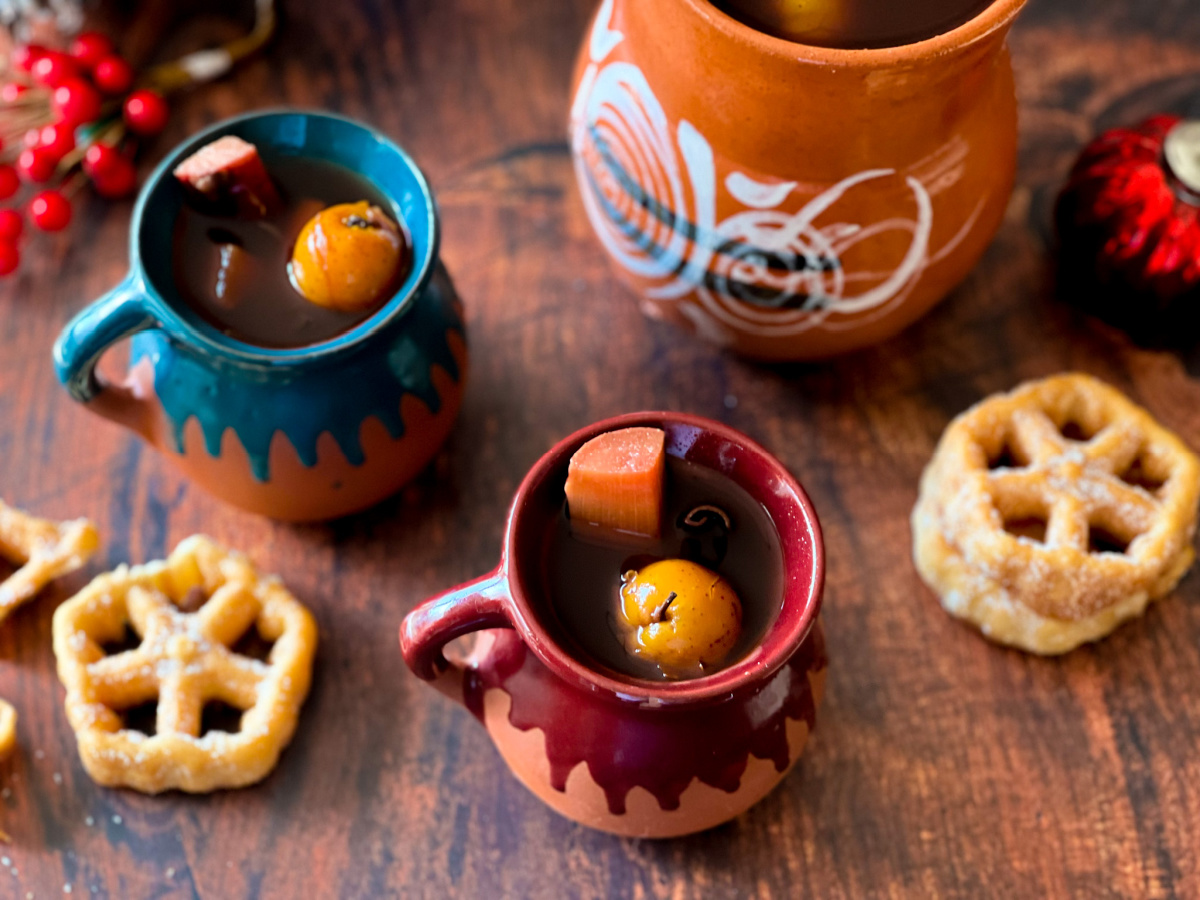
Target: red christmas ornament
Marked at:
10, 181
1128, 221
89, 48
50, 211
36, 165
146, 113
11, 226
58, 139
77, 101
113, 75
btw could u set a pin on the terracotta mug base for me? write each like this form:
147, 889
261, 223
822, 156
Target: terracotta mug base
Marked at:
701, 807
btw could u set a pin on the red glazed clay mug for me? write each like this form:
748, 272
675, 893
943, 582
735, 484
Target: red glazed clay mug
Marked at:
787, 201
634, 757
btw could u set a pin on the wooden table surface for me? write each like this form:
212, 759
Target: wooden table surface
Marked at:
941, 765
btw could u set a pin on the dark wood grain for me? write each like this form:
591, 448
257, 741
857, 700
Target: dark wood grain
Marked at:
941, 767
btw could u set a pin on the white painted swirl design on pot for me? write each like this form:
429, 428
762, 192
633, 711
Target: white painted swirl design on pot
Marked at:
650, 192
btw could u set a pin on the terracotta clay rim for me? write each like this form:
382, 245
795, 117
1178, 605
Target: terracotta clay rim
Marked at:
802, 588
997, 15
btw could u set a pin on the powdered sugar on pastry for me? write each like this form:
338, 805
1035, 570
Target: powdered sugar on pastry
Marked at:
1051, 514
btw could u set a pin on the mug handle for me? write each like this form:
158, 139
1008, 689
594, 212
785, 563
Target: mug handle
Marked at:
425, 632
119, 314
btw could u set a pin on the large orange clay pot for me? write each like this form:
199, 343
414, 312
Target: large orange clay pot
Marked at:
638, 758
786, 201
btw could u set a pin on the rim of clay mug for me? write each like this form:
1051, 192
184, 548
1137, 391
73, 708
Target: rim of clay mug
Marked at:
802, 591
985, 22
215, 342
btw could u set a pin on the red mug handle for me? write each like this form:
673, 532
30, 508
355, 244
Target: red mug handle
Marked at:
425, 632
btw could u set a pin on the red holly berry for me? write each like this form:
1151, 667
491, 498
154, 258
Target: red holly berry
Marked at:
113, 75
36, 165
58, 139
10, 182
77, 101
116, 181
89, 48
11, 226
12, 91
53, 68
146, 113
25, 55
10, 258
101, 159
50, 211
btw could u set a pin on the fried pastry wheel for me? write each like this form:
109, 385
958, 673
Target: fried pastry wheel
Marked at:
43, 550
187, 615
1051, 514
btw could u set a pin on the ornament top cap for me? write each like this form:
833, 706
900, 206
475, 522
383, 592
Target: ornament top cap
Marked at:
1182, 152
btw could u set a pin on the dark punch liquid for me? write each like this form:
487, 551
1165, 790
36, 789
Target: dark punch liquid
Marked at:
854, 24
263, 308
583, 579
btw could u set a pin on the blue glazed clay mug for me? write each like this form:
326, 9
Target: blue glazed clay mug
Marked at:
302, 434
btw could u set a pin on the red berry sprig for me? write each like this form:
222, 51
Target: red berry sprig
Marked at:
66, 118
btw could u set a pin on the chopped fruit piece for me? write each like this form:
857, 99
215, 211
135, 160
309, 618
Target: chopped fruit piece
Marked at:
680, 615
232, 272
615, 481
347, 257
228, 177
